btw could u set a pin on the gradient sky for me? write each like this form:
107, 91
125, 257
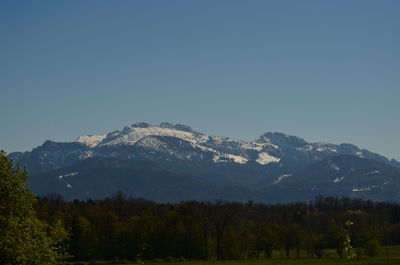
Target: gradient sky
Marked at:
322, 70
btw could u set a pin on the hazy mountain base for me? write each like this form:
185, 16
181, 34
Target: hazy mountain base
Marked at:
340, 176
97, 178
101, 177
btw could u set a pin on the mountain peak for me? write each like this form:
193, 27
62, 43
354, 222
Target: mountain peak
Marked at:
141, 125
180, 127
130, 135
282, 139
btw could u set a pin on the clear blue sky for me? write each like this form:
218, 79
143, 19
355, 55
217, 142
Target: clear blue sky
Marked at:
322, 70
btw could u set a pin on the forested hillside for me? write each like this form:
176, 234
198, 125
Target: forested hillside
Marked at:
125, 228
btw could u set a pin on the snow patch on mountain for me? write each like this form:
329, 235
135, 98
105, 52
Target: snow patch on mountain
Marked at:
68, 175
62, 178
86, 154
91, 140
280, 178
256, 146
265, 158
230, 158
322, 147
361, 189
360, 154
152, 142
372, 173
337, 180
335, 167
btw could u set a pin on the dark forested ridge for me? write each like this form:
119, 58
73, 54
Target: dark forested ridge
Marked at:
126, 228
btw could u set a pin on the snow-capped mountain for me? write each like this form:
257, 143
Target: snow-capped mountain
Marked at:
220, 161
179, 142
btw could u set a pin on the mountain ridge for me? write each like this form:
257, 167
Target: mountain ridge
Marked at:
229, 148
220, 161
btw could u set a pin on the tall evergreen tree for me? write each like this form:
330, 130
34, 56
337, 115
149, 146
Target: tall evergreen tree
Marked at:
24, 239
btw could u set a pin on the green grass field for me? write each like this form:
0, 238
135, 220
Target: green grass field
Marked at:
387, 256
377, 261
292, 262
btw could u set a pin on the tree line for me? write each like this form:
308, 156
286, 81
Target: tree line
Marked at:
126, 228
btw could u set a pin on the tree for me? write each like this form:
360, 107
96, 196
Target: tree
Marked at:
348, 248
24, 239
337, 238
318, 245
277, 233
265, 239
221, 218
107, 228
82, 240
371, 248
298, 236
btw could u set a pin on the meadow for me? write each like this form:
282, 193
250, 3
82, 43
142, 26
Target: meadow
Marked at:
323, 261
389, 255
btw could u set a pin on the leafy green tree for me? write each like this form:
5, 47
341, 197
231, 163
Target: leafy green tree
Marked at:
289, 239
170, 235
348, 248
371, 248
107, 229
82, 239
337, 238
274, 236
244, 235
298, 236
318, 245
265, 239
24, 239
221, 218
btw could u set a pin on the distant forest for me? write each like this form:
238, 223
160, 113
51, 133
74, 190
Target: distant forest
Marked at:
126, 228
